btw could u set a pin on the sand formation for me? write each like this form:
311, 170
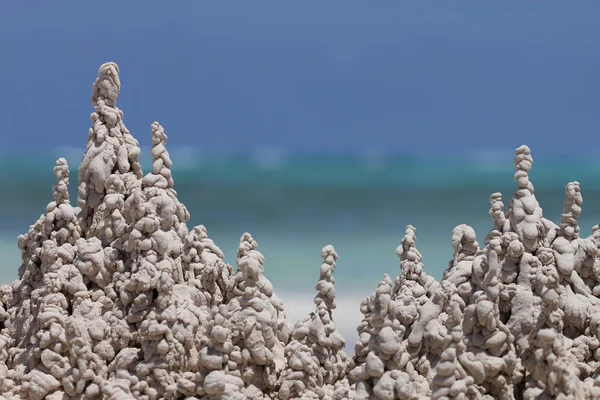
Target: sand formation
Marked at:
118, 299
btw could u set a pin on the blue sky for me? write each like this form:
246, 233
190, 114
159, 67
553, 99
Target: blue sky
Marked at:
325, 76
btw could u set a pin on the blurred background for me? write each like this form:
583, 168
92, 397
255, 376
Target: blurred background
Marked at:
306, 125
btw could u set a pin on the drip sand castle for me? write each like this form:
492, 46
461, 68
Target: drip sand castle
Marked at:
118, 299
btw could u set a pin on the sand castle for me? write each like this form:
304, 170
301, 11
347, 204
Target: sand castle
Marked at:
118, 299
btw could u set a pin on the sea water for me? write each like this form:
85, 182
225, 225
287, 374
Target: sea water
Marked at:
296, 205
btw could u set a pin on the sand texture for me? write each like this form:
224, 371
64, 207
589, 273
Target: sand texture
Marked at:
118, 299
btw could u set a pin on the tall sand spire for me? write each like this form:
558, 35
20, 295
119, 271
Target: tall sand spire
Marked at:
316, 359
110, 147
525, 213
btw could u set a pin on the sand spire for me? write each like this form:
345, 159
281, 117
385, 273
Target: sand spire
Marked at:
316, 359
525, 214
161, 162
110, 147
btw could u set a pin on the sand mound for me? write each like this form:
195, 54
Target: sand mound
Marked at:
118, 299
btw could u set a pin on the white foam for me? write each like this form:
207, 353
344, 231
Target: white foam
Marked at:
492, 160
269, 158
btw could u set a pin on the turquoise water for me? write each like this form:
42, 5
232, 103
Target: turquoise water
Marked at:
295, 205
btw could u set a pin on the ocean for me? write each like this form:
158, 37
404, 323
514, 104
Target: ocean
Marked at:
294, 205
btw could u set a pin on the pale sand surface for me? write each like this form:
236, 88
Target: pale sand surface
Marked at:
346, 316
